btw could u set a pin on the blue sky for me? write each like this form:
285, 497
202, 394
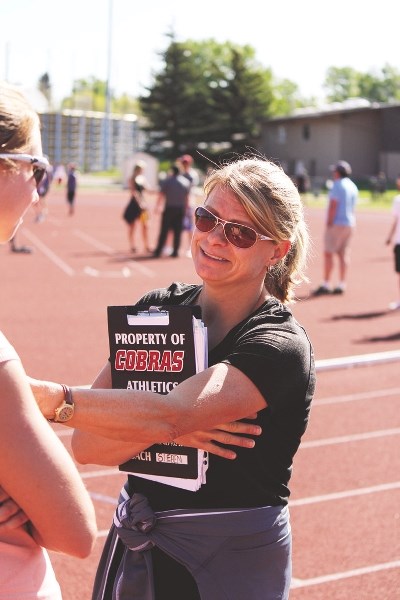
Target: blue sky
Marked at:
297, 39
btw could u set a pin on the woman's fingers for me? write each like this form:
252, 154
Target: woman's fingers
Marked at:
11, 516
240, 427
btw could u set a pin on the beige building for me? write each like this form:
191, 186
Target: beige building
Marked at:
364, 134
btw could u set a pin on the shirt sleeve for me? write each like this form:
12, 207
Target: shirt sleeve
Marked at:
7, 351
277, 360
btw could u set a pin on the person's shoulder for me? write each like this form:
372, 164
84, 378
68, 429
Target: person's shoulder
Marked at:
396, 203
173, 294
7, 351
272, 310
271, 313
184, 181
354, 185
140, 180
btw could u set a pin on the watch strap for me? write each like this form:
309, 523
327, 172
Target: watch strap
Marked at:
65, 411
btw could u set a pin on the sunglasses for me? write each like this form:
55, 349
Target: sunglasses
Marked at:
40, 164
241, 236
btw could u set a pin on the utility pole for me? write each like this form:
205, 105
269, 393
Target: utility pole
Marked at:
107, 121
7, 60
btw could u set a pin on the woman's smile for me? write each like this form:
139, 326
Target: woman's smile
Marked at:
212, 256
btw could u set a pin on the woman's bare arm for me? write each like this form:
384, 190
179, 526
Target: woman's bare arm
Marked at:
38, 473
220, 394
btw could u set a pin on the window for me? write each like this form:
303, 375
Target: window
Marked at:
281, 134
306, 132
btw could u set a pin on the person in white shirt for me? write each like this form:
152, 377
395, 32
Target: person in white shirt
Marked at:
394, 234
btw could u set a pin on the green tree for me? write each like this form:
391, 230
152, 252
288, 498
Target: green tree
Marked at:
90, 94
287, 98
207, 96
377, 86
177, 102
342, 83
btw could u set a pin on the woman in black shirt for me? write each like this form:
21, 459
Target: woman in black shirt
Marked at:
232, 536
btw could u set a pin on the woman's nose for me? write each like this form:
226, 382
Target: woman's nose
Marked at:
218, 232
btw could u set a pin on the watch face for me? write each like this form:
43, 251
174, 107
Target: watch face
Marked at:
65, 413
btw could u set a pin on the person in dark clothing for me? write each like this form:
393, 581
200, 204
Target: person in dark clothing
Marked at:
71, 188
175, 195
231, 538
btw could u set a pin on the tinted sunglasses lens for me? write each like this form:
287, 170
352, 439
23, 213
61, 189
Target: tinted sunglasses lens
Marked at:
38, 173
240, 235
204, 220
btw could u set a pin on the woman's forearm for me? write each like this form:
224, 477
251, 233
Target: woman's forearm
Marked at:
219, 394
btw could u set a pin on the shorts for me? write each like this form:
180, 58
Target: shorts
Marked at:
337, 238
397, 258
132, 211
144, 216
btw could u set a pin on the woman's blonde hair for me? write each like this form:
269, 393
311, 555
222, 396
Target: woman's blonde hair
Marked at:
273, 203
17, 121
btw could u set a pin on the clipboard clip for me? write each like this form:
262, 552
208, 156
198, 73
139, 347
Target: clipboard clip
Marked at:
151, 316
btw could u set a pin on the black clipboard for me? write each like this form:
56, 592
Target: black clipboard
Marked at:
154, 348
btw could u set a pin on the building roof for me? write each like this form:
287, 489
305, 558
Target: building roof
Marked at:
334, 108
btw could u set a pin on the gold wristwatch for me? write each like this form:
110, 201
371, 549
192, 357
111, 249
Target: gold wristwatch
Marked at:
65, 411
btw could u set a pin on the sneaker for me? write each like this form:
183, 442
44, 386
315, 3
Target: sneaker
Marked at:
394, 305
338, 290
321, 291
21, 249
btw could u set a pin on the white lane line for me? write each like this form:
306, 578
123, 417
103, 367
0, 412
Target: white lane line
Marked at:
358, 396
344, 439
373, 489
104, 498
93, 242
124, 272
49, 253
103, 533
298, 583
100, 473
110, 251
360, 360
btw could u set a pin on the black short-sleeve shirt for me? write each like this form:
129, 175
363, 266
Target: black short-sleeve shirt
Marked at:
274, 351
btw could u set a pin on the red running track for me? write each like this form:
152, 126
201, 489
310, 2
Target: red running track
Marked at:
345, 485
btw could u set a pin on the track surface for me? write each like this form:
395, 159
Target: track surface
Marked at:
345, 486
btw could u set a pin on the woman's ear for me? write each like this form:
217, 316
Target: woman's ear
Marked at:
281, 249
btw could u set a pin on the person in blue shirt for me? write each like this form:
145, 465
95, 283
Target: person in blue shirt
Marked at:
340, 225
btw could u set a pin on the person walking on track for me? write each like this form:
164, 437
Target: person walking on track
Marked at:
175, 195
340, 224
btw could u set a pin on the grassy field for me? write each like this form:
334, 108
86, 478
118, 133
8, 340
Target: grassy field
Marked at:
366, 200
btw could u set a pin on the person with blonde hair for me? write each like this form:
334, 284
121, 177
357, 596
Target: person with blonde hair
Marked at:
137, 209
43, 502
231, 538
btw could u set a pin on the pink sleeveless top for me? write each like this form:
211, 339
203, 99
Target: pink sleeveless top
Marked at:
25, 568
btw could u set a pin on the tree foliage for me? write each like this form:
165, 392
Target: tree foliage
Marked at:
379, 86
212, 98
91, 94
208, 96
